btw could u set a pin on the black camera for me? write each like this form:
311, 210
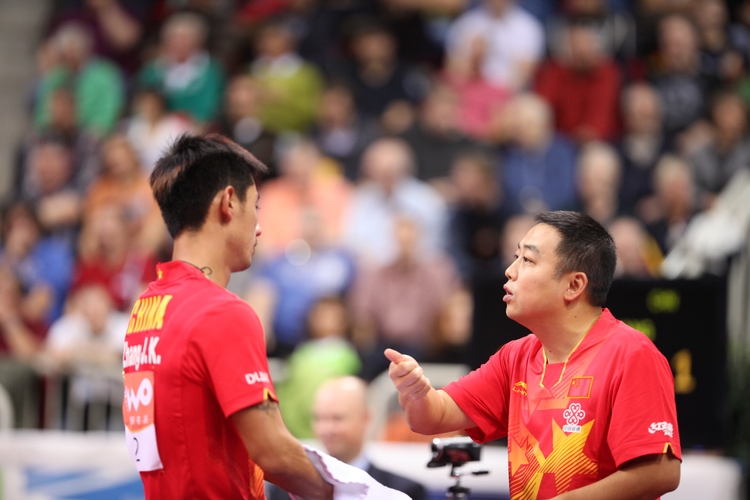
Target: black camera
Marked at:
455, 451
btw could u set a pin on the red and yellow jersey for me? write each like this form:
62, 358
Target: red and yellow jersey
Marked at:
194, 355
571, 424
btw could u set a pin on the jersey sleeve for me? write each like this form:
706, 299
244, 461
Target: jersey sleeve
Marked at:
232, 345
644, 416
483, 396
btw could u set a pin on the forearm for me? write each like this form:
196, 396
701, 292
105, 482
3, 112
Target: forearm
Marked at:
294, 472
425, 415
122, 31
644, 480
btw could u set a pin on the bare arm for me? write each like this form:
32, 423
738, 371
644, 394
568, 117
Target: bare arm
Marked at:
644, 478
274, 449
428, 411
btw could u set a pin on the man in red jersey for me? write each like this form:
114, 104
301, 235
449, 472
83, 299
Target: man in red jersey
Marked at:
201, 416
587, 403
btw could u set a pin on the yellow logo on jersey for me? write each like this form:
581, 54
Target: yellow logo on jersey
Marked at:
148, 313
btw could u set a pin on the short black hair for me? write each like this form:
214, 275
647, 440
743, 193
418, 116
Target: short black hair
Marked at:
196, 167
584, 246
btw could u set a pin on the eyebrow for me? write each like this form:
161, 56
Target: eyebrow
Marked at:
532, 248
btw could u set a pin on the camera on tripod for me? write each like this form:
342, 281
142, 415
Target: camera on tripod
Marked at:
456, 451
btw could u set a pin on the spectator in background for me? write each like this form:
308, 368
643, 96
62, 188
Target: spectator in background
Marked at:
381, 81
51, 189
340, 131
514, 42
720, 58
389, 188
435, 137
515, 226
475, 219
727, 149
108, 256
63, 126
538, 169
287, 286
642, 143
21, 340
97, 83
151, 128
116, 26
599, 176
41, 264
668, 213
307, 181
583, 86
327, 353
190, 79
124, 184
288, 86
88, 336
340, 419
681, 85
638, 255
240, 120
615, 28
399, 303
478, 98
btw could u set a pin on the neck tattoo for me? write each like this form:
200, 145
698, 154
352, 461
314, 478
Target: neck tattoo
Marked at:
205, 269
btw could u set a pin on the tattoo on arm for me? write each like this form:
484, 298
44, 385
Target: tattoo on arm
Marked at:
266, 406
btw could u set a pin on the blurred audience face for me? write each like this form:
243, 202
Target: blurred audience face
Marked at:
440, 110
407, 237
497, 7
599, 172
93, 303
387, 162
62, 110
532, 121
106, 235
119, 159
51, 167
630, 241
711, 14
274, 40
328, 319
674, 186
299, 160
678, 43
729, 114
241, 98
642, 109
149, 105
73, 44
183, 36
585, 46
337, 109
340, 417
474, 181
21, 232
374, 47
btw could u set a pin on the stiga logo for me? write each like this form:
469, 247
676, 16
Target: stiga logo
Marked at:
255, 377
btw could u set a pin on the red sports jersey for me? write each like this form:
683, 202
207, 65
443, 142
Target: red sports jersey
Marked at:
194, 355
571, 424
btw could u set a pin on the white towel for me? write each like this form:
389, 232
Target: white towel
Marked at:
350, 483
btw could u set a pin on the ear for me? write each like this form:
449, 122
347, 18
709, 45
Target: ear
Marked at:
578, 282
227, 204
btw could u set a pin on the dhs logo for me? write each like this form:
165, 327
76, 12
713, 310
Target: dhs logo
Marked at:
253, 378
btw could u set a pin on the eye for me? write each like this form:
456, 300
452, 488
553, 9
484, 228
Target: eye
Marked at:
526, 259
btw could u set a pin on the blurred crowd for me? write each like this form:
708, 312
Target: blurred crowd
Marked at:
410, 143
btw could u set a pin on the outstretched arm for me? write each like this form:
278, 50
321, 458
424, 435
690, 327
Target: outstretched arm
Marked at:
644, 478
278, 453
428, 411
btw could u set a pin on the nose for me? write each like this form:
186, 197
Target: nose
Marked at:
258, 230
510, 272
